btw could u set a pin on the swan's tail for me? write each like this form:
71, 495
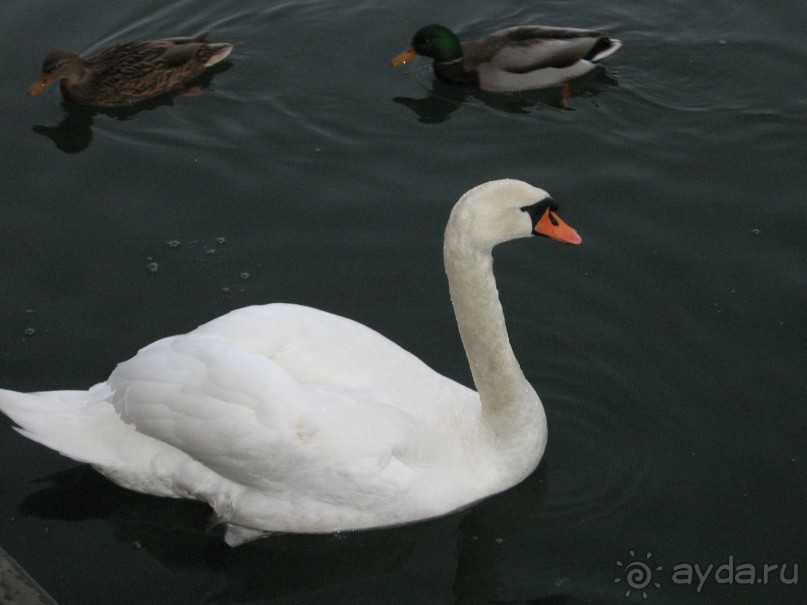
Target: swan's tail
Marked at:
78, 424
84, 426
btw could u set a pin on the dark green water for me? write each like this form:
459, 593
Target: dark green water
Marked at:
668, 349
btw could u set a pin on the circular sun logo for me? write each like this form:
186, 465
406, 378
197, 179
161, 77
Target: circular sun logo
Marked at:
638, 575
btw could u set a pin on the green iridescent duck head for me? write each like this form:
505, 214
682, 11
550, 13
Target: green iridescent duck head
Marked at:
435, 41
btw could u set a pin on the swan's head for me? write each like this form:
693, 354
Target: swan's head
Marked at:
498, 211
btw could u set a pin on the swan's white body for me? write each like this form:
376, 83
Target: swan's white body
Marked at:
289, 419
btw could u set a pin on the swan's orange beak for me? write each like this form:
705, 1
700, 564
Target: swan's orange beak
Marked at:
40, 85
405, 56
551, 226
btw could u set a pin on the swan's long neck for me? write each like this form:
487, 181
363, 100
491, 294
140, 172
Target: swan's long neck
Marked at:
511, 407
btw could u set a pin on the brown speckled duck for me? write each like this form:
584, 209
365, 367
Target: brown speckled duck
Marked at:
130, 72
517, 58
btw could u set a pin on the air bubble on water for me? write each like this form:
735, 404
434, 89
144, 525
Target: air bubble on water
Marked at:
221, 240
152, 267
755, 231
174, 243
244, 276
29, 331
210, 251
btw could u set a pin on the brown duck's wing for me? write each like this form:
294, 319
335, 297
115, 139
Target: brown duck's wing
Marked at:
181, 50
128, 56
527, 48
185, 39
132, 71
148, 54
179, 54
192, 54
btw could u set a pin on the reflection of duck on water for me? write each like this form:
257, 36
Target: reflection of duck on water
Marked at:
73, 134
441, 99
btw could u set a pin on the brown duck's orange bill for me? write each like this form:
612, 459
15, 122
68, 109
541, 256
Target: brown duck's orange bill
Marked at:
405, 56
551, 226
39, 85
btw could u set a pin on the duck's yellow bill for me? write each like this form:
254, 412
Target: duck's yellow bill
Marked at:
551, 226
404, 57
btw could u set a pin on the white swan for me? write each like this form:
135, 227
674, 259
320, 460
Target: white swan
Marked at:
289, 419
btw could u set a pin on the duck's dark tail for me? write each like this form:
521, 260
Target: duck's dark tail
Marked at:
604, 47
215, 53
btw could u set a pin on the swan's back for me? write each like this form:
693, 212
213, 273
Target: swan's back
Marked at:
302, 347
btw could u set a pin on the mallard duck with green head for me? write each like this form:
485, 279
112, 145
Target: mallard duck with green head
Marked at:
517, 58
130, 72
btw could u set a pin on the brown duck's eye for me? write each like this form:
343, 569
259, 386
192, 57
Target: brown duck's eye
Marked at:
51, 67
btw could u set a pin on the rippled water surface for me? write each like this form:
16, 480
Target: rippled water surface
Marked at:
668, 349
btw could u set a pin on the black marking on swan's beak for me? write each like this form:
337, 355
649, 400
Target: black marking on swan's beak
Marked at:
548, 224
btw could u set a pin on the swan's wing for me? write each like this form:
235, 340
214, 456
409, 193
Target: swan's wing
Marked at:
315, 347
282, 395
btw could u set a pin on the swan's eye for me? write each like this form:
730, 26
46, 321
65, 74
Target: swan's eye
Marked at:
537, 210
